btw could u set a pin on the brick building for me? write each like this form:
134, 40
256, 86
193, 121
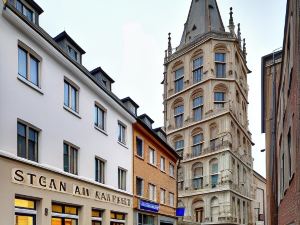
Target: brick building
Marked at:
280, 76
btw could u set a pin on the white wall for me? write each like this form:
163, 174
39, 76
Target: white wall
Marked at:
46, 111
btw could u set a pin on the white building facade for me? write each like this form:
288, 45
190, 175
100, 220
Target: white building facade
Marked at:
61, 124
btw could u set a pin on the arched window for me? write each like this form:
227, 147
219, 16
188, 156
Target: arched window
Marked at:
213, 136
198, 108
220, 96
179, 76
197, 69
197, 170
178, 112
198, 208
178, 143
197, 144
220, 64
214, 172
214, 207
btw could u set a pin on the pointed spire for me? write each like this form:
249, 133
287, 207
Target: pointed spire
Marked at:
204, 16
239, 36
169, 45
166, 55
244, 49
231, 23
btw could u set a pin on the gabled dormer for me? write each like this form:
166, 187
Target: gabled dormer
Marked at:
161, 133
147, 120
28, 8
102, 78
74, 51
130, 105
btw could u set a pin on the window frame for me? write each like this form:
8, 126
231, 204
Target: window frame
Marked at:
136, 145
154, 199
98, 162
71, 86
28, 127
219, 104
142, 186
122, 136
75, 149
171, 165
178, 80
162, 159
223, 63
30, 54
27, 9
162, 191
198, 107
196, 144
173, 199
178, 116
24, 211
196, 69
150, 149
98, 107
122, 181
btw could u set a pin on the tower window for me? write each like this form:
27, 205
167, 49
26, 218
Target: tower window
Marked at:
197, 70
220, 62
179, 80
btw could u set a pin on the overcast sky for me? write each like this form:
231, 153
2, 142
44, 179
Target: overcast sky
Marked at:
127, 38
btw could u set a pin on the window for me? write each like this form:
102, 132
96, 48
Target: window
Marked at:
197, 176
152, 192
97, 217
139, 147
99, 117
70, 96
25, 211
220, 65
219, 99
70, 159
122, 133
215, 209
197, 70
139, 186
117, 218
152, 156
178, 114
99, 170
145, 219
197, 145
122, 179
171, 199
171, 167
198, 108
24, 10
179, 80
162, 196
72, 53
28, 66
179, 145
162, 164
27, 142
214, 173
64, 214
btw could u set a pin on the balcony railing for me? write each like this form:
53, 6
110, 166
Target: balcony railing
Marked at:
219, 144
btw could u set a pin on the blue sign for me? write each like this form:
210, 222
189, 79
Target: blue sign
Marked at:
149, 206
180, 211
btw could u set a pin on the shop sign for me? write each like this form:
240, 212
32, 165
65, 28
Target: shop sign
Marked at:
180, 211
32, 179
148, 206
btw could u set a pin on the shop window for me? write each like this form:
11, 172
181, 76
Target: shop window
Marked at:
117, 218
25, 211
97, 217
64, 214
145, 219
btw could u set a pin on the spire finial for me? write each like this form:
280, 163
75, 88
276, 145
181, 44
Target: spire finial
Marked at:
239, 36
169, 45
231, 23
244, 49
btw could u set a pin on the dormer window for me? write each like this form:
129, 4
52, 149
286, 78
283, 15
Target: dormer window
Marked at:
24, 10
72, 53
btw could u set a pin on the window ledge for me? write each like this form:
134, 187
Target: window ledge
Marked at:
100, 130
122, 144
172, 177
31, 85
155, 166
163, 171
72, 112
139, 157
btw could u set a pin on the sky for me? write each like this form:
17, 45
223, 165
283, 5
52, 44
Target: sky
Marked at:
127, 38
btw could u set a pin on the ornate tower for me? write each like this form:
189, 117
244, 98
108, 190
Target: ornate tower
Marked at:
205, 111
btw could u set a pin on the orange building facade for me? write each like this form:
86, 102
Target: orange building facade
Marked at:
154, 175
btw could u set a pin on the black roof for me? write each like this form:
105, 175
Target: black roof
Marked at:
99, 69
130, 100
147, 117
64, 35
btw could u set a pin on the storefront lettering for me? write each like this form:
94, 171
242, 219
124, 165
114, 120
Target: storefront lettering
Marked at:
36, 180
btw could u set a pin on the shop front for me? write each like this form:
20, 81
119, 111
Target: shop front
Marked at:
33, 195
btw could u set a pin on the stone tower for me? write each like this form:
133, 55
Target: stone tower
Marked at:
205, 114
